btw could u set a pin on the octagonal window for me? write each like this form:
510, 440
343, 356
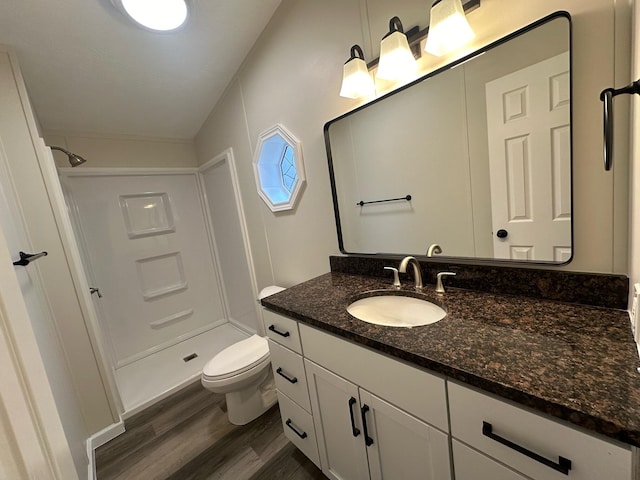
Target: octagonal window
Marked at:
278, 168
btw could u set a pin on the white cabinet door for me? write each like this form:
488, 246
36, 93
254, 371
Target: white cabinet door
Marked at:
336, 415
401, 446
472, 465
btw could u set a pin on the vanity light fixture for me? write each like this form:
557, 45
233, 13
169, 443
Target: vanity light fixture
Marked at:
399, 50
448, 28
356, 80
156, 15
396, 59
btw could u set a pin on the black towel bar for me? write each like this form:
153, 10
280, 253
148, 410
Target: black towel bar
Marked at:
361, 202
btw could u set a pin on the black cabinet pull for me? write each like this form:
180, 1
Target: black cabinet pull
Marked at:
563, 465
280, 372
282, 334
289, 424
355, 430
367, 439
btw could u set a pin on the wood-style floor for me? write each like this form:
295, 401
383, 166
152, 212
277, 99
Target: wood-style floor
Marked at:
188, 437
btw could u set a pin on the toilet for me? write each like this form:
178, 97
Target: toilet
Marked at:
242, 372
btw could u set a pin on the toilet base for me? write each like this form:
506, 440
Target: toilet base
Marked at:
248, 404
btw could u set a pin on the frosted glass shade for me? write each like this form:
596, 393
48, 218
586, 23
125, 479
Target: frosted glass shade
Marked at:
356, 81
161, 15
396, 59
448, 28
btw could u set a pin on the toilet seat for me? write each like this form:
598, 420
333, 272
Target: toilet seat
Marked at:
237, 358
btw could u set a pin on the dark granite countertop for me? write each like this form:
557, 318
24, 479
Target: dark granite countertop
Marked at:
574, 362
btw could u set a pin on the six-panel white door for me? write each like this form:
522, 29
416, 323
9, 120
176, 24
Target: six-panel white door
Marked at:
529, 135
150, 254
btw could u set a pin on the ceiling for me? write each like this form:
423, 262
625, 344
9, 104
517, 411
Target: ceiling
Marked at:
89, 70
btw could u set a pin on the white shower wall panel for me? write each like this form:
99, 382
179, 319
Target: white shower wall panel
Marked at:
227, 219
150, 254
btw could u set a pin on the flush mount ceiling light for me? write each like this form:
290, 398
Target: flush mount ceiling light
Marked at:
396, 60
157, 15
448, 28
356, 81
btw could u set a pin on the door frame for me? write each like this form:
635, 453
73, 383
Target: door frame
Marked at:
28, 413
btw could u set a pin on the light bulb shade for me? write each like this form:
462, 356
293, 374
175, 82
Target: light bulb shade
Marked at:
448, 28
396, 59
356, 81
159, 15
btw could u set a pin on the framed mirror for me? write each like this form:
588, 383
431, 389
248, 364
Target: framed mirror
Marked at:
474, 157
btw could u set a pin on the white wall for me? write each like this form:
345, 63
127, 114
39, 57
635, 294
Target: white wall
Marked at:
122, 151
288, 78
293, 75
634, 217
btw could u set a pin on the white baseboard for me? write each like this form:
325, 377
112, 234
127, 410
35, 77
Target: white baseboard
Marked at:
98, 439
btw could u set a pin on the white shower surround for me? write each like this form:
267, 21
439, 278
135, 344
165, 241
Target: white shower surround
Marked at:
234, 329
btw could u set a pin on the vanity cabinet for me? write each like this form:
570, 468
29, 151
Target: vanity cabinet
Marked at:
359, 414
375, 417
535, 446
472, 465
361, 436
291, 382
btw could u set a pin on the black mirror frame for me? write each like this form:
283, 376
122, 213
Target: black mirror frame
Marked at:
475, 260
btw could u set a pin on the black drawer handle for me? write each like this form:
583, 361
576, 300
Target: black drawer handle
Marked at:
289, 379
563, 465
289, 423
282, 334
355, 430
367, 439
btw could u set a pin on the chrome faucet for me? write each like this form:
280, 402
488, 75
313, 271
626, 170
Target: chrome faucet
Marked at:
439, 285
396, 280
416, 270
433, 248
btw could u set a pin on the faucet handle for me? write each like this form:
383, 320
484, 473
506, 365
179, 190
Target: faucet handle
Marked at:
396, 278
439, 285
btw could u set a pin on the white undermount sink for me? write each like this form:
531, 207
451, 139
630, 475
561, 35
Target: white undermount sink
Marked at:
396, 311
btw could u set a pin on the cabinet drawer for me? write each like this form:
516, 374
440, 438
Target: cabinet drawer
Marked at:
288, 371
298, 427
282, 330
420, 393
469, 464
591, 458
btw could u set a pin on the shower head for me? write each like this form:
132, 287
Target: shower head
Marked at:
74, 159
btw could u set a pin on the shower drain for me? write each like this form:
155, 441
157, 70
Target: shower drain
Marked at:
190, 357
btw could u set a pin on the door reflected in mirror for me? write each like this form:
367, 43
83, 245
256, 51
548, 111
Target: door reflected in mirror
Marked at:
482, 147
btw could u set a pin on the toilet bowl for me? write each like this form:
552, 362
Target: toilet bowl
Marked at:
242, 372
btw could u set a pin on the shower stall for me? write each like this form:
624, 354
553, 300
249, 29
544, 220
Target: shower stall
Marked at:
168, 261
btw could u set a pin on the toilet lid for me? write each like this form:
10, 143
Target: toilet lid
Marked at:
237, 358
